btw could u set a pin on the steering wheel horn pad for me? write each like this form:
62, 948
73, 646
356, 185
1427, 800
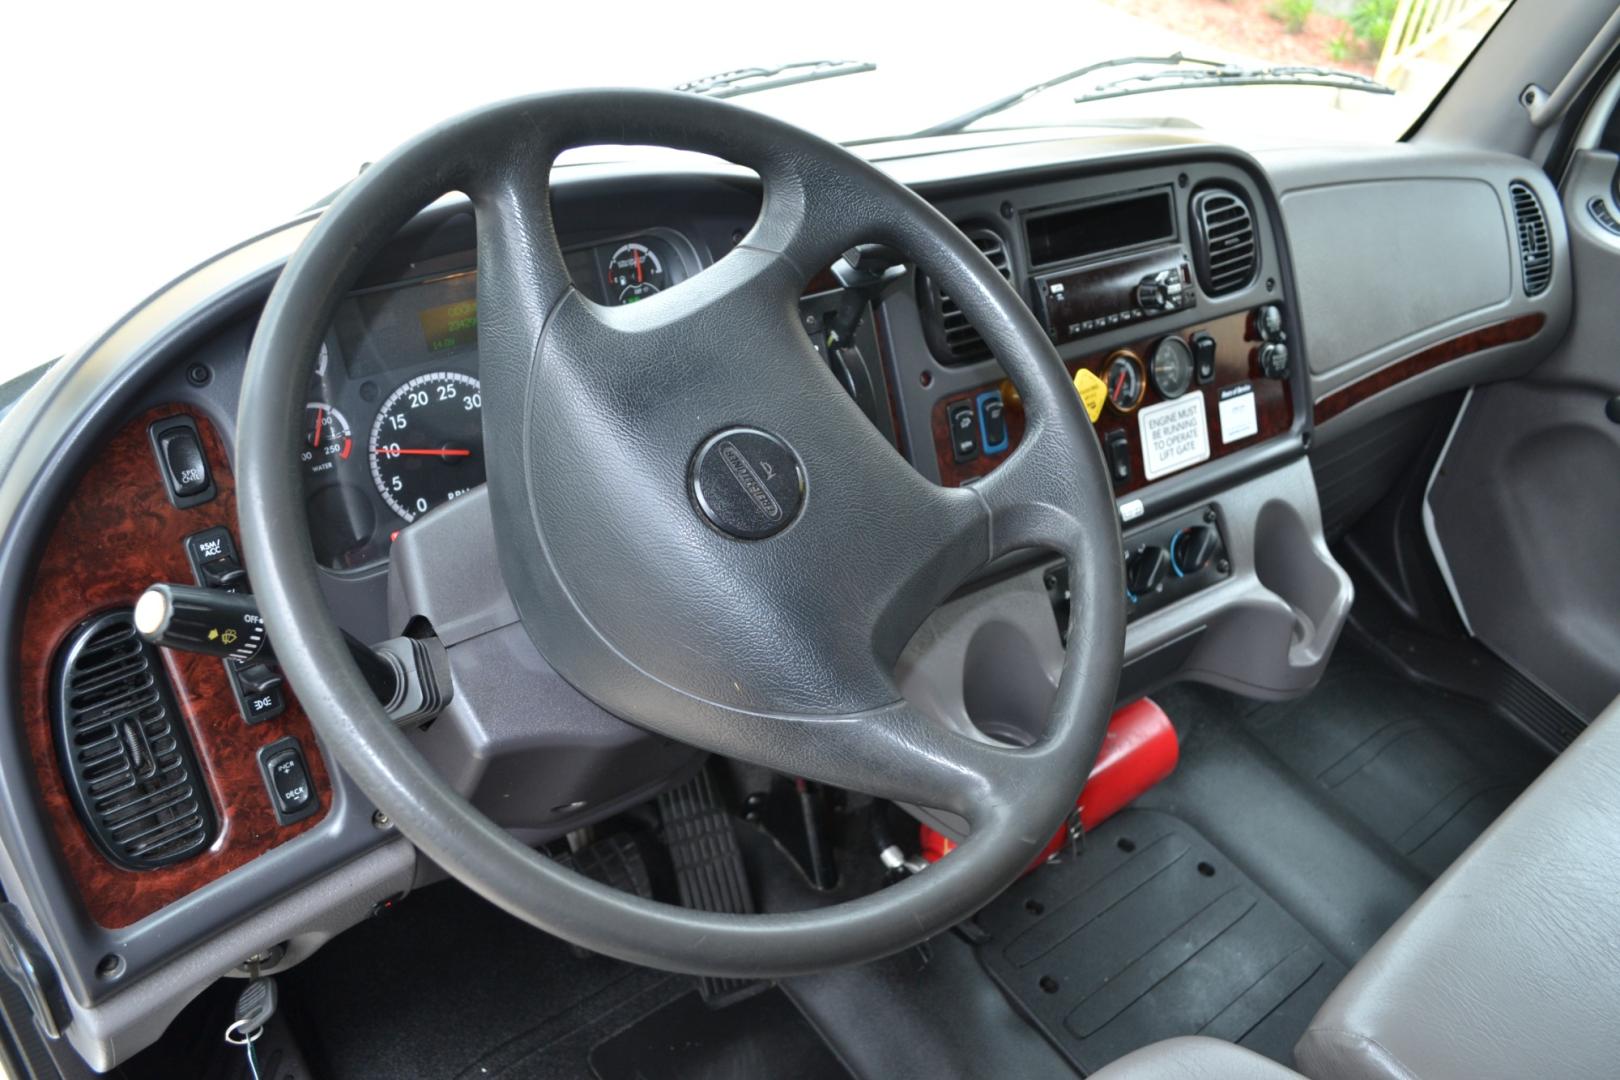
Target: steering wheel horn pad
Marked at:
699, 530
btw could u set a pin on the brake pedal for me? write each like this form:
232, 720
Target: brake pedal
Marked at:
709, 870
617, 861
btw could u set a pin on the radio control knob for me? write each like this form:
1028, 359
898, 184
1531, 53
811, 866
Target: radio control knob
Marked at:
1152, 295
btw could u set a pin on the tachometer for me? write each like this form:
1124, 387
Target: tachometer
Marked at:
327, 439
427, 443
635, 273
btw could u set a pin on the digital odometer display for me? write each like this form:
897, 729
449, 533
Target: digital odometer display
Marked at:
414, 324
427, 443
449, 327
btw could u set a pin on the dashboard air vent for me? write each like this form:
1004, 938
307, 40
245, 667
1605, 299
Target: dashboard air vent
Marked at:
953, 338
1535, 242
124, 750
1224, 246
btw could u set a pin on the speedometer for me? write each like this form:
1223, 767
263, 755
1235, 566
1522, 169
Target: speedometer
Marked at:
427, 443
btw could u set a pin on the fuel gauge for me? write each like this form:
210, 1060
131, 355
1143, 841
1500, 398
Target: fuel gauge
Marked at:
635, 273
327, 439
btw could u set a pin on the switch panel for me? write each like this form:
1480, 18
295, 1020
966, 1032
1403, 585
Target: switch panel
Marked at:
257, 684
287, 781
214, 561
1117, 445
992, 422
187, 480
964, 431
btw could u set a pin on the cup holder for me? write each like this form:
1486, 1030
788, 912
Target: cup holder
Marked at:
1292, 565
1006, 691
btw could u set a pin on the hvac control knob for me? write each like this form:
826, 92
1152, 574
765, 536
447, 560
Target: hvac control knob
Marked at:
1146, 569
1192, 548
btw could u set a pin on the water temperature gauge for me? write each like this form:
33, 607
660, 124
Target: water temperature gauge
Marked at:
327, 439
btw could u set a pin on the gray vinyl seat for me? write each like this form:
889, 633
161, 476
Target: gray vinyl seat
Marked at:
1194, 1057
1508, 966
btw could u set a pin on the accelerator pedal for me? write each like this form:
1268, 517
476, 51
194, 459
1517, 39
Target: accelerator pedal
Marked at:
709, 870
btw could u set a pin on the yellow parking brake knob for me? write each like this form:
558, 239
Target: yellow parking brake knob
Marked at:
1092, 392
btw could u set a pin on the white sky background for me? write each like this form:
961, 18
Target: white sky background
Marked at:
140, 141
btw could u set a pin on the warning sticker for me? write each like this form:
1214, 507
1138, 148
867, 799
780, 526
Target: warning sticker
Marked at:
1092, 392
1175, 434
1238, 418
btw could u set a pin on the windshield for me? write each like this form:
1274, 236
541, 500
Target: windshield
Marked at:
156, 138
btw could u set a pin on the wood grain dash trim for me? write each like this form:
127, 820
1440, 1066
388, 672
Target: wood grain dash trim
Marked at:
1506, 332
116, 534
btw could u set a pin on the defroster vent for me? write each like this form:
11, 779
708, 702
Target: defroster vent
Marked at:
1224, 247
125, 754
950, 335
1535, 242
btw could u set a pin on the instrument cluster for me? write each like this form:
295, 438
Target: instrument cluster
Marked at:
393, 425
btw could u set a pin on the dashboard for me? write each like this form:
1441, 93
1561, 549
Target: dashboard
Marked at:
1206, 302
393, 426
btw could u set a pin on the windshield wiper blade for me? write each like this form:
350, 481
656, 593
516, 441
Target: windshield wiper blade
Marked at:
1233, 75
752, 80
1002, 104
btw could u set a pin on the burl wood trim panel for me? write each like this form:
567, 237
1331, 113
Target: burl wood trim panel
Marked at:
117, 534
1488, 337
1237, 350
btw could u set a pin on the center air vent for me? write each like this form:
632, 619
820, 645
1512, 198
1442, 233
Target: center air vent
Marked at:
1223, 241
1535, 242
950, 335
124, 751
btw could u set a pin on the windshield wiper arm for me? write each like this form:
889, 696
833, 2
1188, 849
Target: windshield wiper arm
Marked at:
1002, 104
1232, 75
752, 80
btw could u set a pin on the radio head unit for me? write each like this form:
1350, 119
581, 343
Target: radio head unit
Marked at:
1102, 295
1108, 262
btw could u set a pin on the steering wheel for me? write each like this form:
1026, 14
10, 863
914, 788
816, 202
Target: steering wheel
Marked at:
699, 529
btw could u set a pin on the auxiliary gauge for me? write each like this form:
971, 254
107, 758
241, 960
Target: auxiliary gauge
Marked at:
1172, 367
1126, 381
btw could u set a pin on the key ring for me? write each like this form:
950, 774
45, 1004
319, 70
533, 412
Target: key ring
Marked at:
237, 1035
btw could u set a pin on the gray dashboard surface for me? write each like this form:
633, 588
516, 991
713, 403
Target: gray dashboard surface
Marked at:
1401, 247
1441, 252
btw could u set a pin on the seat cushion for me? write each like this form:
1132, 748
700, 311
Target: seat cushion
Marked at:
1194, 1058
1509, 965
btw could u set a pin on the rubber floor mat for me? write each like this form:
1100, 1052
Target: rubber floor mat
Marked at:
765, 1035
1148, 934
1423, 770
